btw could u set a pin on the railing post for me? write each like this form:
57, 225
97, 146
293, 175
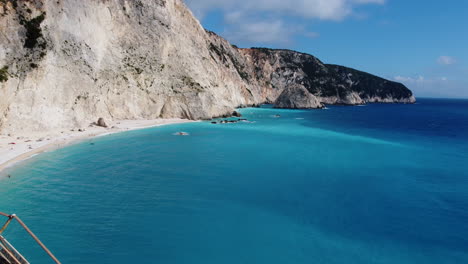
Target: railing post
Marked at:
6, 225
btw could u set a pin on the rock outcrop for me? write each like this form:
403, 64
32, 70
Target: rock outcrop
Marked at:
297, 97
101, 122
278, 70
64, 62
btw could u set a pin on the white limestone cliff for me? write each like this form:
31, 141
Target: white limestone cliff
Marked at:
64, 63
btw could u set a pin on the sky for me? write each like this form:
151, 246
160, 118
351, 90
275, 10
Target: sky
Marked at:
423, 44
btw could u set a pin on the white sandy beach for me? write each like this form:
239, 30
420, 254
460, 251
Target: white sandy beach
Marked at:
14, 149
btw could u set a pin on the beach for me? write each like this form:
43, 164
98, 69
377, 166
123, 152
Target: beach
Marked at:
14, 149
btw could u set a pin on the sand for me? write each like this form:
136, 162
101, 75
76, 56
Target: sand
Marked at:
16, 148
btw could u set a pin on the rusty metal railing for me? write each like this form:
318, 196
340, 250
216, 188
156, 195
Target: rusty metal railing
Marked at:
9, 254
14, 256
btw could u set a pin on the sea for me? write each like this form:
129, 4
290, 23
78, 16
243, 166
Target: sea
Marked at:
380, 183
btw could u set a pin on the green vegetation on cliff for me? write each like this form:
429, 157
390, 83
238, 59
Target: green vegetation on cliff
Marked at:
4, 74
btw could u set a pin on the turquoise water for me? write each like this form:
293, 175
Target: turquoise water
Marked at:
372, 184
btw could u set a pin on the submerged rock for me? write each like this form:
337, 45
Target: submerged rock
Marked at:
181, 134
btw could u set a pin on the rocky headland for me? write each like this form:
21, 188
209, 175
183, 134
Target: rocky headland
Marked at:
64, 63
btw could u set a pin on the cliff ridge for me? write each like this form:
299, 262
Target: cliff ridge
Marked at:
65, 63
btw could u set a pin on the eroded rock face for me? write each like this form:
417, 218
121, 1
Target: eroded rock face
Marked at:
331, 84
64, 62
297, 97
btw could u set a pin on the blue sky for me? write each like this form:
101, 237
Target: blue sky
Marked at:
423, 44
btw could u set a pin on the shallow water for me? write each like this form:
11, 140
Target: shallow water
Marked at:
373, 184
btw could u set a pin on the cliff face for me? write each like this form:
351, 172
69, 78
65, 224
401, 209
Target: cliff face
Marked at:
64, 63
330, 84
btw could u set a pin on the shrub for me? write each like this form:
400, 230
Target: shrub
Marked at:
4, 74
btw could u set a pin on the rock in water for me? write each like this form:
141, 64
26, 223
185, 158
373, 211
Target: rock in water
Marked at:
101, 122
236, 114
297, 97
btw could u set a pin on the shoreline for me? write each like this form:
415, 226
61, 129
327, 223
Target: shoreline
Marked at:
14, 150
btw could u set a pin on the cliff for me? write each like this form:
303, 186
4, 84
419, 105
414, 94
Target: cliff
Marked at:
329, 84
64, 63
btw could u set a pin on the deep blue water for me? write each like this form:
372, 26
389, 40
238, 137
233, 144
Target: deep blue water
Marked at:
372, 184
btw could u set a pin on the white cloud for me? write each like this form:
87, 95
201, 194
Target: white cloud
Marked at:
311, 9
435, 86
311, 34
418, 79
446, 60
240, 15
260, 31
263, 31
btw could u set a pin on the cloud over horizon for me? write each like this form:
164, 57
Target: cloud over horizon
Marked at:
263, 21
435, 87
